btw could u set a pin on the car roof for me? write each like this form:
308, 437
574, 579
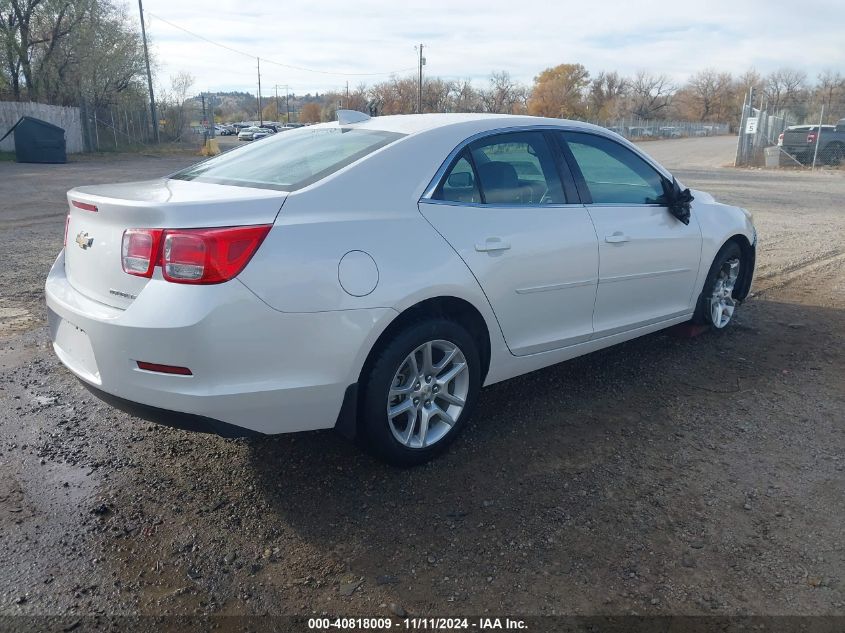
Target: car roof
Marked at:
417, 123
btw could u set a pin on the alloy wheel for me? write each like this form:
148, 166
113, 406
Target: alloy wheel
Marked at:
428, 394
722, 303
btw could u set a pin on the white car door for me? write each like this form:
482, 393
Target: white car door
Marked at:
648, 259
502, 207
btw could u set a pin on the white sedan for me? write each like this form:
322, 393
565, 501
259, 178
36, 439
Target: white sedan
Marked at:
372, 274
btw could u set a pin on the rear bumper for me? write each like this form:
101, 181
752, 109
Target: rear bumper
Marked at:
174, 419
252, 367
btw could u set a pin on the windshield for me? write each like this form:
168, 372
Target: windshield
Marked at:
291, 160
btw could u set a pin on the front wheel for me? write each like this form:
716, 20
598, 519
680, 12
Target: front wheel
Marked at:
716, 305
419, 391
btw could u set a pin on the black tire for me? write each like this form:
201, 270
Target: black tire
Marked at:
703, 313
373, 423
834, 154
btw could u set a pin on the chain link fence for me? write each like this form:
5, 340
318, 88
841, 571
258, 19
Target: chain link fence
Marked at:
634, 128
127, 127
807, 135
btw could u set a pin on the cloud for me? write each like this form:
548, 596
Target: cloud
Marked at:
474, 37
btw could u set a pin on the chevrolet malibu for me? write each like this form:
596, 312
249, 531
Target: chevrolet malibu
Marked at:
372, 275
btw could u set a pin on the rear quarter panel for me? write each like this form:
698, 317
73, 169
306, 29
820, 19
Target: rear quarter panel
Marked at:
370, 206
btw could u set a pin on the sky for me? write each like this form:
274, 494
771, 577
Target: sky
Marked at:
365, 41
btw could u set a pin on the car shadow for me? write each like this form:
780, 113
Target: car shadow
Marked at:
603, 440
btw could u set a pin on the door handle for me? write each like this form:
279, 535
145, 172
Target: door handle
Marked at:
492, 244
617, 238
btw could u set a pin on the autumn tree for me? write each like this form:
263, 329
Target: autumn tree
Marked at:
559, 92
270, 112
310, 113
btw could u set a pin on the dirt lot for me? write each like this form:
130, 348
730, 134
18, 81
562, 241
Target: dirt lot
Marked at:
663, 476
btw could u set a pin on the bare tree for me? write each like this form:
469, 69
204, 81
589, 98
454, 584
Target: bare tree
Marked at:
175, 105
707, 96
606, 93
651, 95
503, 94
783, 88
466, 98
830, 93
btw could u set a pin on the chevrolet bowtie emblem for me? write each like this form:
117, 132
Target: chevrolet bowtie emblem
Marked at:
84, 241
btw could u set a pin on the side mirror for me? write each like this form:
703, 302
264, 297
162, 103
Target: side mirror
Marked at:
677, 200
460, 180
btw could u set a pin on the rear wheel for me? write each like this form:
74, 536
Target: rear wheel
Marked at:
716, 305
419, 392
834, 154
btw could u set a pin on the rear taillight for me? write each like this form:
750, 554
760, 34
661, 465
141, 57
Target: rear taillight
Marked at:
811, 137
139, 251
191, 256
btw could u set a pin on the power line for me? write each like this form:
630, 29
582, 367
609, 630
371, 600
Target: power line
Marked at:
275, 63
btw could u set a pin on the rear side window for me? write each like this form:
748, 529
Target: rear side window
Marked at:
460, 184
291, 160
514, 169
613, 173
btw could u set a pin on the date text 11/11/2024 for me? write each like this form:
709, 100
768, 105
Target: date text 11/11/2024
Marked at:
416, 624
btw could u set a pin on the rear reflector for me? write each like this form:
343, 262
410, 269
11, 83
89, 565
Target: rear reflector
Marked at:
83, 205
164, 369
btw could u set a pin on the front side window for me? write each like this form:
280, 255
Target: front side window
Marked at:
291, 160
514, 169
613, 173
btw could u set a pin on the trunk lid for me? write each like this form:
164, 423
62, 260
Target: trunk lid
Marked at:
92, 253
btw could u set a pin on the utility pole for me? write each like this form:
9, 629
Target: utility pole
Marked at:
260, 115
347, 95
422, 63
818, 140
211, 120
149, 74
287, 101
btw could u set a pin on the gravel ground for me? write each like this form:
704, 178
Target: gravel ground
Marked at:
664, 476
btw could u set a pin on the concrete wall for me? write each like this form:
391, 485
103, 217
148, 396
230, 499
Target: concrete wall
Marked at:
67, 118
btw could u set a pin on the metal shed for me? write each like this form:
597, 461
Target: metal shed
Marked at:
38, 141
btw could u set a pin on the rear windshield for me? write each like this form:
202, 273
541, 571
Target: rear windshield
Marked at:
289, 160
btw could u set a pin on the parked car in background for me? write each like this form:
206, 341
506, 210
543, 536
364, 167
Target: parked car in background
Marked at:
373, 273
801, 141
248, 133
670, 132
262, 133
